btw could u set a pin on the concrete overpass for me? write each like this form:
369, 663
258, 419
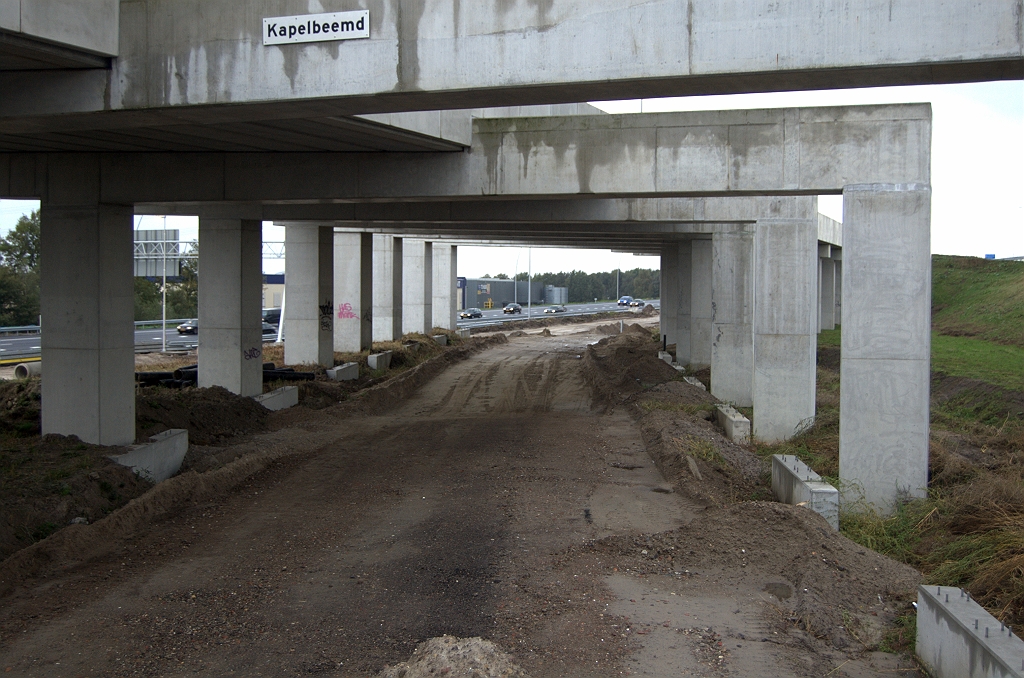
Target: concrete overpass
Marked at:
181, 107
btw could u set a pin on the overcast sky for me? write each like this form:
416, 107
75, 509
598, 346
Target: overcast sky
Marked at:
977, 176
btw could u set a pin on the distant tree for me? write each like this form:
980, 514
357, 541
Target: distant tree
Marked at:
501, 276
183, 297
147, 299
485, 275
19, 273
19, 250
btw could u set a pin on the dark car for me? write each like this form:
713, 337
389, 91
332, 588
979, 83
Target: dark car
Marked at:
513, 308
471, 313
189, 327
272, 316
269, 332
624, 301
639, 303
555, 309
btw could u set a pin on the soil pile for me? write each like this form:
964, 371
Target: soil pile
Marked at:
456, 657
212, 416
19, 406
620, 366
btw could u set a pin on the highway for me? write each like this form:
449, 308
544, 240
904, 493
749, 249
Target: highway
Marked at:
27, 345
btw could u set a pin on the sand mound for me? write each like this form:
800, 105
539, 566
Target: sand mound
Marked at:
458, 658
622, 365
212, 415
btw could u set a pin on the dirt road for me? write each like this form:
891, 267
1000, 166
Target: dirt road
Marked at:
476, 508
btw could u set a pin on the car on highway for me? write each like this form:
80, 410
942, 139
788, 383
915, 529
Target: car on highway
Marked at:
555, 309
638, 303
512, 308
269, 332
624, 300
471, 313
189, 327
272, 316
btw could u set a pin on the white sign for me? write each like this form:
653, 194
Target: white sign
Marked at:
281, 30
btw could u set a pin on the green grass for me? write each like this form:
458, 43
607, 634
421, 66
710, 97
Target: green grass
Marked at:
997, 364
978, 298
829, 338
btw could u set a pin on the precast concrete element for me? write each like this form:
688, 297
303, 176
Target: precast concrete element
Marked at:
732, 310
827, 301
159, 459
793, 482
700, 304
837, 312
785, 340
735, 425
666, 356
87, 306
441, 339
26, 370
669, 273
57, 34
884, 370
463, 333
418, 282
309, 290
353, 292
830, 231
230, 294
379, 361
957, 638
466, 55
444, 306
694, 381
279, 399
683, 297
387, 288
345, 372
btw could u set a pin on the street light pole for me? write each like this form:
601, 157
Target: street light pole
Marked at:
163, 292
529, 283
515, 278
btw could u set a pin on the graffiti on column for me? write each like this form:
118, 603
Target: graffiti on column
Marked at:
345, 312
326, 322
252, 353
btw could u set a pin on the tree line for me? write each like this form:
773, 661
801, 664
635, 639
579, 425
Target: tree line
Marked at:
19, 281
643, 283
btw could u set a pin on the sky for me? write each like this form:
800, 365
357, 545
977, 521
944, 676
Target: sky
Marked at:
977, 176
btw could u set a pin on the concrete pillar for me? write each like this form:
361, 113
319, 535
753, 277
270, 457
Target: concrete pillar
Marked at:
785, 340
837, 258
353, 292
387, 288
883, 425
230, 292
87, 308
700, 304
418, 283
684, 301
669, 293
309, 290
732, 330
828, 289
445, 302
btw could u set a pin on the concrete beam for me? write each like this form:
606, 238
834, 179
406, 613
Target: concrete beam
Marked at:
442, 55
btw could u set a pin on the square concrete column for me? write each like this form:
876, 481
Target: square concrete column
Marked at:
683, 301
87, 308
700, 304
230, 295
828, 290
445, 301
353, 292
669, 293
732, 328
387, 288
785, 340
837, 258
418, 283
883, 425
309, 291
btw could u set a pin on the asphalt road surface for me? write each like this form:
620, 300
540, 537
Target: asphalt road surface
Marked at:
27, 345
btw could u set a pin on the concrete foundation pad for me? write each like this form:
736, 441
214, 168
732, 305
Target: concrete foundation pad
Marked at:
736, 426
694, 381
463, 333
157, 460
346, 372
379, 361
957, 637
666, 356
441, 339
279, 399
793, 482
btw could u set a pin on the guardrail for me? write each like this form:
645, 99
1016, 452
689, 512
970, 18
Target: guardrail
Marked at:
23, 329
139, 324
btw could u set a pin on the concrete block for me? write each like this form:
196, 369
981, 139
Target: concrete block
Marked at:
412, 347
956, 637
441, 339
346, 372
736, 426
157, 460
793, 482
464, 333
694, 381
666, 356
279, 399
379, 361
